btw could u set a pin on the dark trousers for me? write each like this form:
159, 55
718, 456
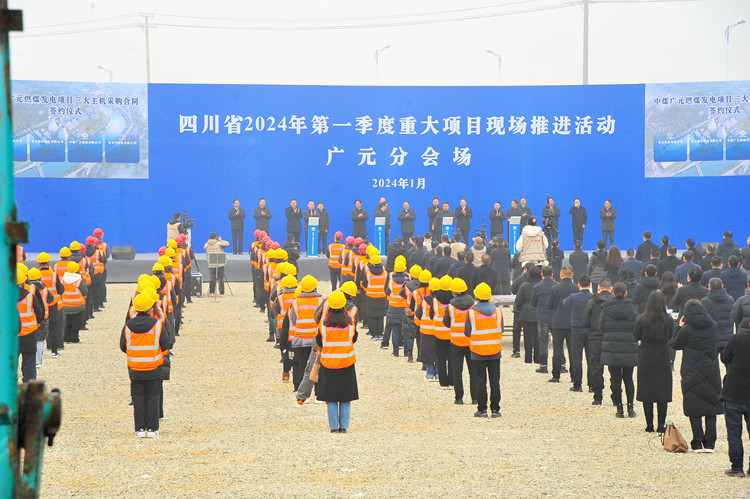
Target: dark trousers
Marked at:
237, 240
445, 369
73, 323
502, 288
465, 236
577, 233
258, 288
322, 243
89, 307
516, 334
703, 438
216, 273
595, 367
55, 334
104, 280
406, 236
530, 341
482, 370
296, 235
28, 366
558, 354
458, 355
375, 325
146, 395
619, 375
187, 290
733, 416
543, 342
661, 410
579, 342
611, 234
299, 363
335, 277
95, 294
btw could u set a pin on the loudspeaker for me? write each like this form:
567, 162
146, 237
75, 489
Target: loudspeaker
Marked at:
123, 253
196, 283
703, 247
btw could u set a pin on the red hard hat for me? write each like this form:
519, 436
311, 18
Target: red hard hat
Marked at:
98, 232
91, 240
263, 233
275, 246
162, 250
257, 233
265, 239
349, 240
338, 235
358, 240
362, 249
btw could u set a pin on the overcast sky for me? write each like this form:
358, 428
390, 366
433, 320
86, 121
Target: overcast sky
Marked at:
630, 42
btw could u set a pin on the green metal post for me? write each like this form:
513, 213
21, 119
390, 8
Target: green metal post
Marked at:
9, 483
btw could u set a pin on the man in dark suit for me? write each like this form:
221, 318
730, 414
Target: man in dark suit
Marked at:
463, 220
262, 215
293, 216
525, 212
579, 261
608, 215
359, 218
669, 264
407, 217
441, 264
237, 216
579, 216
497, 217
633, 264
706, 261
643, 252
443, 213
551, 215
432, 213
323, 228
485, 273
501, 263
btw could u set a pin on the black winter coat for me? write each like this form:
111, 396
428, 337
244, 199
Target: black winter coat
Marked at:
579, 260
359, 224
641, 292
596, 266
617, 323
643, 252
392, 252
526, 311
725, 249
463, 222
669, 264
741, 314
719, 306
693, 290
736, 356
407, 221
293, 216
710, 274
701, 380
594, 311
654, 363
556, 303
485, 274
501, 263
577, 303
262, 216
496, 221
540, 294
395, 314
735, 281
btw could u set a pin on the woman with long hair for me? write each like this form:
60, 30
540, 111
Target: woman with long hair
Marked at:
668, 287
653, 328
596, 265
612, 264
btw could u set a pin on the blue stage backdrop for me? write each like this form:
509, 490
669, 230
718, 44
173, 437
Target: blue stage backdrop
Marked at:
209, 144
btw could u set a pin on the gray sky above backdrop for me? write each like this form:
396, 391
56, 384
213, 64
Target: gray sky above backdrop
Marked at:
434, 42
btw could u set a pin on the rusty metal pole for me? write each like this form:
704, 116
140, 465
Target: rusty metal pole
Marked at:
9, 477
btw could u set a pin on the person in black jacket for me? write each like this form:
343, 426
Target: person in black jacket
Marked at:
262, 216
539, 297
310, 212
457, 265
653, 328
714, 270
727, 245
719, 306
741, 314
551, 216
692, 290
293, 215
560, 326
555, 257
484, 273
613, 263
608, 215
643, 252
463, 219
579, 261
681, 272
735, 280
497, 217
619, 347
359, 218
525, 212
432, 213
745, 254
579, 334
701, 380
705, 262
736, 397
579, 219
324, 224
27, 344
663, 249
466, 271
633, 264
417, 258
392, 252
441, 265
500, 255
591, 317
237, 216
527, 314
668, 264
445, 212
407, 217
513, 211
382, 210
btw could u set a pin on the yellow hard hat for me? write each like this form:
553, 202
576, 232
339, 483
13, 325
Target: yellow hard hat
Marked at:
414, 271
143, 276
34, 274
483, 291
289, 282
282, 254
145, 283
64, 252
349, 288
434, 284
43, 258
75, 246
151, 292
337, 300
20, 275
23, 267
372, 250
158, 267
297, 291
171, 243
165, 261
156, 281
425, 276
375, 259
281, 268
73, 267
457, 286
445, 282
271, 254
170, 252
308, 283
400, 258
399, 266
143, 302
290, 269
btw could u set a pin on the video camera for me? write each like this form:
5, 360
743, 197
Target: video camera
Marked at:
187, 222
482, 233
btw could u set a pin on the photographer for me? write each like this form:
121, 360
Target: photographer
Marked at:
550, 216
174, 227
215, 244
532, 244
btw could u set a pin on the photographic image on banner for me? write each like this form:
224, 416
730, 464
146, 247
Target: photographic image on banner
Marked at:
80, 129
697, 129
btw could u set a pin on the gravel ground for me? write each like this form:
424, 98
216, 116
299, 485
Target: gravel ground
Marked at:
234, 431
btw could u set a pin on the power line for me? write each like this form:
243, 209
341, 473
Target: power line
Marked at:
105, 19
74, 32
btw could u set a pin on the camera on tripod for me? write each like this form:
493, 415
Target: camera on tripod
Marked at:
187, 222
482, 232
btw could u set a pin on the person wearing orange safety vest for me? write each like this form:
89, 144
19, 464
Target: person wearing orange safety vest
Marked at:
143, 341
187, 264
302, 327
409, 329
258, 250
20, 254
97, 260
338, 378
376, 301
168, 297
484, 328
74, 302
62, 266
334, 252
441, 299
455, 320
345, 260
30, 315
254, 246
280, 308
34, 282
423, 317
77, 254
55, 287
359, 259
394, 316
105, 251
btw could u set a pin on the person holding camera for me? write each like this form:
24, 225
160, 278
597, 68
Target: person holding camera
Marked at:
532, 244
550, 215
215, 244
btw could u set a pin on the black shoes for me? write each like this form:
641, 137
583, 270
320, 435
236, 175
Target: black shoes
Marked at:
649, 428
735, 473
270, 339
410, 360
576, 388
496, 414
597, 402
554, 380
542, 369
563, 369
619, 413
631, 411
480, 414
516, 355
458, 402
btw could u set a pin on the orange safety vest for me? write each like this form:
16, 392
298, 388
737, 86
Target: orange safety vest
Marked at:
338, 347
345, 261
304, 308
441, 331
255, 248
375, 284
19, 254
104, 247
335, 250
61, 267
425, 323
418, 296
72, 296
28, 317
394, 295
486, 332
285, 301
84, 263
96, 260
32, 288
189, 260
458, 326
49, 279
143, 350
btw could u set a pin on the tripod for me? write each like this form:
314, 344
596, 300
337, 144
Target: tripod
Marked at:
220, 260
